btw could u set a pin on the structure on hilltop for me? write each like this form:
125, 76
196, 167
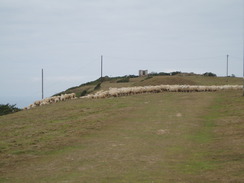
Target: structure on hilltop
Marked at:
143, 72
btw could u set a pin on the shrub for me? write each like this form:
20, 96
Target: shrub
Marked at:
132, 76
159, 74
209, 74
163, 74
83, 93
8, 109
175, 73
98, 86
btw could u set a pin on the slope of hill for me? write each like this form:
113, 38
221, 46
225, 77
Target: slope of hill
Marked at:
130, 81
164, 137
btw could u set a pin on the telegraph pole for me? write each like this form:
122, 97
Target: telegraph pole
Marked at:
227, 74
42, 86
243, 51
243, 43
101, 67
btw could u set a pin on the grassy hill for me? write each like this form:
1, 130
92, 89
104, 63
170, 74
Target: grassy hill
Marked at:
164, 137
130, 81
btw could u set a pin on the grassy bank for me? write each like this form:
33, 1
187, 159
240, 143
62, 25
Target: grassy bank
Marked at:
167, 137
91, 87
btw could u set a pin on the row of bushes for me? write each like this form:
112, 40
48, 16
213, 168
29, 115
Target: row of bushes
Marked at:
164, 73
180, 73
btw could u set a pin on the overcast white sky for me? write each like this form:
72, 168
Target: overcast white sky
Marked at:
67, 38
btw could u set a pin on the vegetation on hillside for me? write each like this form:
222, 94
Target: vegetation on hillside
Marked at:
124, 80
173, 78
209, 74
8, 109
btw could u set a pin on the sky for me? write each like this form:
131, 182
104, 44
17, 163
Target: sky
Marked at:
66, 38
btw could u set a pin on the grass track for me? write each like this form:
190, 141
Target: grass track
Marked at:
168, 137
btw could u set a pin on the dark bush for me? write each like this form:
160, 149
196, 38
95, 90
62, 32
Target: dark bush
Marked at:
132, 76
159, 74
8, 109
98, 86
83, 93
175, 73
163, 74
209, 74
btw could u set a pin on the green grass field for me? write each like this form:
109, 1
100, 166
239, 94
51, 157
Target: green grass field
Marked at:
165, 137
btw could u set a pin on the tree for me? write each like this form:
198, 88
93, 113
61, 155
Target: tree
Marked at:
209, 74
175, 73
8, 109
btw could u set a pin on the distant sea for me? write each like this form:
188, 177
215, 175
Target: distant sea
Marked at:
20, 101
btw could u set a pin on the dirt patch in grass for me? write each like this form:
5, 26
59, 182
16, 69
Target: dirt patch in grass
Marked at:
162, 131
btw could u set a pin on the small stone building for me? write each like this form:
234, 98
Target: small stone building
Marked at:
143, 72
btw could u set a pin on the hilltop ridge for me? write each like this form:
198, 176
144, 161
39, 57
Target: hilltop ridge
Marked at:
151, 80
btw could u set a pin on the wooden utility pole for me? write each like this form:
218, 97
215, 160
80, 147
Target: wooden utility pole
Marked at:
227, 69
243, 44
42, 86
101, 67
